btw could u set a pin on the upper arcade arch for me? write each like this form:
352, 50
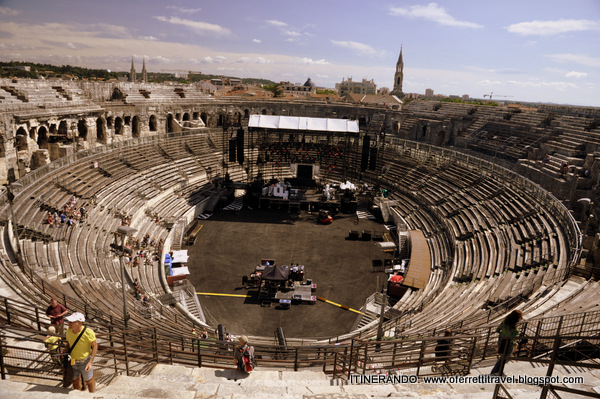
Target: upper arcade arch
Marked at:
119, 127
100, 130
82, 129
135, 127
42, 137
152, 123
21, 139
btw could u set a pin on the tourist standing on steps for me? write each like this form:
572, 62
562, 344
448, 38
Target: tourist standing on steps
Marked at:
507, 332
243, 355
84, 351
56, 312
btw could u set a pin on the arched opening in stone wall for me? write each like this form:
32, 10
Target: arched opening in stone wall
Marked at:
264, 112
82, 129
153, 124
186, 117
110, 122
135, 127
117, 94
220, 120
237, 118
246, 114
100, 130
204, 118
21, 140
32, 133
118, 125
439, 138
195, 116
63, 129
169, 123
362, 122
42, 139
2, 147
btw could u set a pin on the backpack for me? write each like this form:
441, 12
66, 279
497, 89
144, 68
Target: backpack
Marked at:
246, 362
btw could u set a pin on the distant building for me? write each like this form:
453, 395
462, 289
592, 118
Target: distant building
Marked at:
351, 87
295, 88
428, 93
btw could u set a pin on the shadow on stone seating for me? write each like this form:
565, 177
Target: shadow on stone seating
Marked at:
49, 388
231, 374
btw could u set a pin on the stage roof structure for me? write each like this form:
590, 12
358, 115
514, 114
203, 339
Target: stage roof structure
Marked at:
276, 273
303, 123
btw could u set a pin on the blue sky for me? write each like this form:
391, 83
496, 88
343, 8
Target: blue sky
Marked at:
528, 50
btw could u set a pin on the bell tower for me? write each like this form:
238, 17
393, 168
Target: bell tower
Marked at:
144, 72
132, 76
398, 77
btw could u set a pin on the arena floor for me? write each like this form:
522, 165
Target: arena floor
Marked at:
231, 244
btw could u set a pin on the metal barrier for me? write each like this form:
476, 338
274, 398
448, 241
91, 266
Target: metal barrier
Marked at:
580, 351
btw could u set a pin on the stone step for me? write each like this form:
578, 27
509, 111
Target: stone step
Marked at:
189, 382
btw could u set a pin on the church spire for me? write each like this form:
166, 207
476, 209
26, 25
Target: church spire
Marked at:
132, 77
399, 77
144, 73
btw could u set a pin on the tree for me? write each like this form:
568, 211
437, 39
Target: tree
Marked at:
275, 89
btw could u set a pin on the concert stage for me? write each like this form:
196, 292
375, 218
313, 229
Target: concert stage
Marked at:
231, 242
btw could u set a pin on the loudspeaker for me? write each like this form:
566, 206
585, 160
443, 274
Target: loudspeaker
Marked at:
232, 145
373, 158
364, 160
221, 332
240, 146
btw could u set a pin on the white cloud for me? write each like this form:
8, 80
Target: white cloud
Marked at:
9, 12
310, 61
292, 33
574, 74
184, 10
545, 28
360, 48
487, 82
277, 23
562, 86
219, 59
253, 60
21, 47
501, 71
581, 59
256, 41
197, 26
432, 12
158, 59
151, 38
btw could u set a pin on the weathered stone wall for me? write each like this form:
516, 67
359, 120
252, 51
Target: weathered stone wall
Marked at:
98, 120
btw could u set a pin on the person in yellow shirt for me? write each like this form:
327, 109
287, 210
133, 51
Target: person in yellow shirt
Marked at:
84, 351
52, 340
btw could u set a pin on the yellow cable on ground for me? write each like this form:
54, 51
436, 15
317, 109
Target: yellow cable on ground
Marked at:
339, 305
217, 294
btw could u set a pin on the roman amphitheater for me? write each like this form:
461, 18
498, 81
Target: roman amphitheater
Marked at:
498, 202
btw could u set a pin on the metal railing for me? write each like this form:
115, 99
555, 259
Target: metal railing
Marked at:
578, 351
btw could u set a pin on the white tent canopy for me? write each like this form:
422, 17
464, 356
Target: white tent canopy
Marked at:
303, 123
180, 256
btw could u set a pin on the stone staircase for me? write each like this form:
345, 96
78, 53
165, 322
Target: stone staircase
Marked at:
180, 382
